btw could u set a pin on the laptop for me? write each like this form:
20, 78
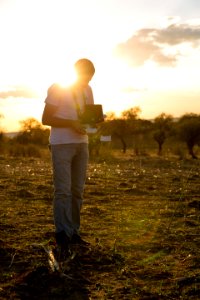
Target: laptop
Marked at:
93, 114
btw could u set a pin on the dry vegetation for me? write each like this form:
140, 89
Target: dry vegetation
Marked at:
140, 215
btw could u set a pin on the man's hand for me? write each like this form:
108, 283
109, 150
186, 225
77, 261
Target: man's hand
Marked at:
78, 127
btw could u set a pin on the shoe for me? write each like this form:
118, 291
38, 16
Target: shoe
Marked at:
62, 241
77, 240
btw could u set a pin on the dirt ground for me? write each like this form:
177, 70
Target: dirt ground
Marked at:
140, 215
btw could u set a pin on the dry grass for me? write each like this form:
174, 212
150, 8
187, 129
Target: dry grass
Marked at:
141, 217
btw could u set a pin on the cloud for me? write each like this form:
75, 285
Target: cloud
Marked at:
151, 44
178, 34
17, 92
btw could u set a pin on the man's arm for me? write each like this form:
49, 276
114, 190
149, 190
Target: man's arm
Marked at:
49, 119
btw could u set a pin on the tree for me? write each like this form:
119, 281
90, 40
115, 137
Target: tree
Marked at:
162, 128
32, 131
117, 128
121, 127
188, 129
110, 116
140, 131
131, 114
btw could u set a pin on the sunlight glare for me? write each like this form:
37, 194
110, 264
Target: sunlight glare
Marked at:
66, 77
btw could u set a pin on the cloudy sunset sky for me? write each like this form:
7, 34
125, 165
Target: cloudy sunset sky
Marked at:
146, 54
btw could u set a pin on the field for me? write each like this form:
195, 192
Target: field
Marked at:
140, 215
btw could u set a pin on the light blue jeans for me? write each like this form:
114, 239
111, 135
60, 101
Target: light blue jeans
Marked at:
69, 173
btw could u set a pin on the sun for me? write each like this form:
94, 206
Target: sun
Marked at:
65, 76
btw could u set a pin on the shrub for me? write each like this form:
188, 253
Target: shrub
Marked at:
18, 150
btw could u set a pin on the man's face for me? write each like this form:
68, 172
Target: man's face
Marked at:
84, 78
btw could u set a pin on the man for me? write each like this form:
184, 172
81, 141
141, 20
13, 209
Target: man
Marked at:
69, 150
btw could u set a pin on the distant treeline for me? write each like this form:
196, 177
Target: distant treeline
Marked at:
128, 132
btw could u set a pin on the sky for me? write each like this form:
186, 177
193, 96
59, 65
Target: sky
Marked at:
146, 54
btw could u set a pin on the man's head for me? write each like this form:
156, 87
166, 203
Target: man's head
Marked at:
85, 70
